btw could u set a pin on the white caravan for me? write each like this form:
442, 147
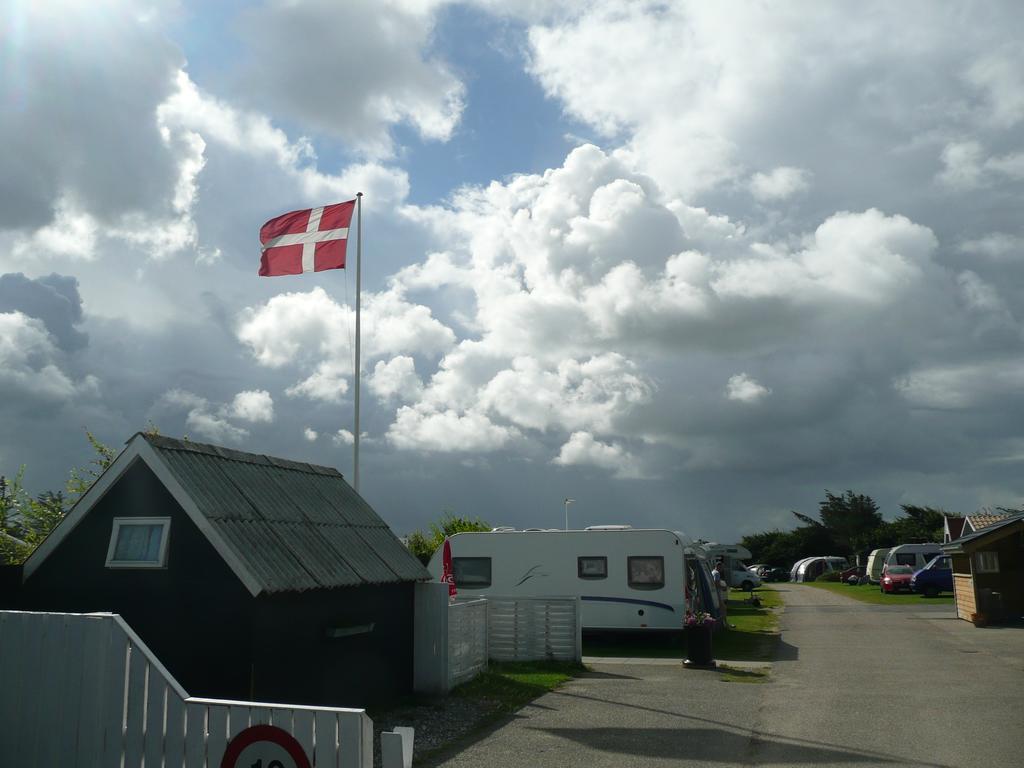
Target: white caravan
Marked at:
812, 567
733, 555
875, 562
626, 578
917, 556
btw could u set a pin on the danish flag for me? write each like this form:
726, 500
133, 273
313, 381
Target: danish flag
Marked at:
306, 241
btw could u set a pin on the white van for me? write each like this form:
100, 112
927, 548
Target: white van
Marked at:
917, 556
740, 577
626, 578
876, 560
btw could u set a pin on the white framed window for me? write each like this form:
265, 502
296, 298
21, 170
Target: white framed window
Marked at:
138, 542
592, 567
472, 572
646, 572
986, 562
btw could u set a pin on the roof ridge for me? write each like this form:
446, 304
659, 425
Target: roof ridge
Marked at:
165, 442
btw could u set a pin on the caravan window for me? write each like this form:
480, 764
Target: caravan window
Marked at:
646, 572
906, 558
592, 567
472, 572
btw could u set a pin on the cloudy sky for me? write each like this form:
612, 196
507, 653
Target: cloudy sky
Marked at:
687, 263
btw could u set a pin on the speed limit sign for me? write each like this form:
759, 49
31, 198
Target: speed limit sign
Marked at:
264, 746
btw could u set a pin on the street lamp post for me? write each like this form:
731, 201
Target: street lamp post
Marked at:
566, 503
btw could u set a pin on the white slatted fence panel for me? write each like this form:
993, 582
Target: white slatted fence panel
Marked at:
467, 640
85, 690
532, 629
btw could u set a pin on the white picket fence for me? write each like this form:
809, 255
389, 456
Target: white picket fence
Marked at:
534, 628
84, 690
467, 640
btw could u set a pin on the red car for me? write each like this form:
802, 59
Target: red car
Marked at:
896, 578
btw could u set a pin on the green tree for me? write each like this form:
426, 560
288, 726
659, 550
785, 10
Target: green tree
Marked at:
423, 544
851, 518
13, 499
80, 480
25, 520
919, 524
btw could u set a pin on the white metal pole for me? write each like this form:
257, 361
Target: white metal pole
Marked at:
359, 276
567, 502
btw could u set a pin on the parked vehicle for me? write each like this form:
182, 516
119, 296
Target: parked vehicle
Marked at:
896, 578
733, 555
852, 575
876, 561
914, 555
813, 567
775, 575
796, 568
626, 578
935, 577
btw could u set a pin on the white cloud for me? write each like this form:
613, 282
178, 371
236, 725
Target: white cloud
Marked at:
312, 329
695, 104
576, 395
997, 246
966, 166
1000, 75
293, 327
310, 434
780, 183
343, 437
192, 112
30, 362
745, 389
71, 233
447, 431
583, 449
211, 422
353, 80
396, 378
255, 406
963, 386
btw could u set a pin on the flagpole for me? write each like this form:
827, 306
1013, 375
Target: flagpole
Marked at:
359, 275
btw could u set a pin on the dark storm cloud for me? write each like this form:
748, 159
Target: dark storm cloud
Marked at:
54, 299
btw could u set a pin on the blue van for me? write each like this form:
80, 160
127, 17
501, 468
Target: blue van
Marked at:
935, 577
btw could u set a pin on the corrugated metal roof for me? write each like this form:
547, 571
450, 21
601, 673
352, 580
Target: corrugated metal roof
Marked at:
294, 526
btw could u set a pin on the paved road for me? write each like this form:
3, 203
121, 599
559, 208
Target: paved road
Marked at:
854, 685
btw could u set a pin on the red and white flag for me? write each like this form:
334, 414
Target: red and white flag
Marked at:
447, 574
306, 241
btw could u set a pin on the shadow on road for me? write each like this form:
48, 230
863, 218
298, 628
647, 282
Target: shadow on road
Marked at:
594, 674
710, 745
786, 651
716, 743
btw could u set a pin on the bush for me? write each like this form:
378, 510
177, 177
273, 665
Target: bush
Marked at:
829, 576
423, 544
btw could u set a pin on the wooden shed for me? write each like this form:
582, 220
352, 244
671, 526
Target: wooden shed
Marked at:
988, 571
250, 577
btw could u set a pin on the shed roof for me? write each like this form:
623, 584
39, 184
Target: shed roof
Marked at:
983, 518
976, 539
281, 525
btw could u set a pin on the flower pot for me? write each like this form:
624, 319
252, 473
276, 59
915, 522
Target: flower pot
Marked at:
698, 646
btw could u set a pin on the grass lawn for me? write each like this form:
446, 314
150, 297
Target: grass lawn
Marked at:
870, 593
510, 685
753, 639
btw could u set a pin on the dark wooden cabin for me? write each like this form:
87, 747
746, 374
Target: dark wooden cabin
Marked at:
988, 571
250, 577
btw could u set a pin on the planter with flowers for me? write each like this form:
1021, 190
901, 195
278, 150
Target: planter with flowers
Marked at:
698, 626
